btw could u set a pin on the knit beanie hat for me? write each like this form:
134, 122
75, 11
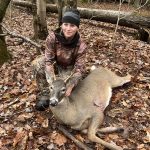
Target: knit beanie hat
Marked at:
72, 17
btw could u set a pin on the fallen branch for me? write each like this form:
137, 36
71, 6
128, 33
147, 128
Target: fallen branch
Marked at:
12, 103
77, 142
144, 79
26, 39
129, 19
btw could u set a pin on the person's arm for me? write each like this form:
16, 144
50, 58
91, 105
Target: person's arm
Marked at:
50, 57
79, 68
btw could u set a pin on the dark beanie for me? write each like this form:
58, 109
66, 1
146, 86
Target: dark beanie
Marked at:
71, 17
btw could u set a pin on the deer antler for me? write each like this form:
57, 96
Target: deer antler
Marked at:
52, 72
72, 72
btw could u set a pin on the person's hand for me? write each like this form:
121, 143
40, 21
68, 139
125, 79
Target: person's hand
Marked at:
69, 90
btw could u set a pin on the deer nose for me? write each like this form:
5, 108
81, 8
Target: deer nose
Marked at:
53, 102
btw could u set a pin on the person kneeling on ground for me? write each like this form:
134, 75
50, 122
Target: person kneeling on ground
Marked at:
65, 53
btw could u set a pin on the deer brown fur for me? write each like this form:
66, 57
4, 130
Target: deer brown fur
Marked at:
84, 108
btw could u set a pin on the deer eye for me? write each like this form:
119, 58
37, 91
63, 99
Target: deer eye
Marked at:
63, 90
51, 88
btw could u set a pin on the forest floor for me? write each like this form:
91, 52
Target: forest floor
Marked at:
24, 128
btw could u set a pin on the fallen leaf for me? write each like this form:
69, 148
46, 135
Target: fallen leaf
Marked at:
19, 136
60, 139
2, 131
24, 117
6, 96
45, 123
80, 138
19, 77
15, 91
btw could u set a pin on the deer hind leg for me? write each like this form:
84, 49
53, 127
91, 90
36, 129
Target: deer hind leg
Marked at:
95, 122
107, 130
110, 130
119, 81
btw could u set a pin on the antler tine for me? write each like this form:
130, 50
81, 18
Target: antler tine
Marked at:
54, 72
72, 72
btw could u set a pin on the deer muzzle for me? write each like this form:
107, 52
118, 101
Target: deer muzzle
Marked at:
53, 101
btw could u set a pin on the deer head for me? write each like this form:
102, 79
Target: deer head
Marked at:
57, 90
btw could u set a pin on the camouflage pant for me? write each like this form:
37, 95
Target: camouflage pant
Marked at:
38, 66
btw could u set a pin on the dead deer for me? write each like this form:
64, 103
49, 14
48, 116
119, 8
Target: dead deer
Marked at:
84, 108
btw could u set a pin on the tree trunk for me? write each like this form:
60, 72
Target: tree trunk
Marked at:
60, 6
128, 19
34, 13
71, 4
41, 19
4, 54
137, 3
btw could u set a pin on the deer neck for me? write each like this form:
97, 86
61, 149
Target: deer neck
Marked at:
64, 106
65, 111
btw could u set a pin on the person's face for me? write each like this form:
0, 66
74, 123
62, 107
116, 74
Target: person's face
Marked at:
69, 30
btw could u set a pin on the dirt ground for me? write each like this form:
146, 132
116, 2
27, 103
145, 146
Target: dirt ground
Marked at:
23, 128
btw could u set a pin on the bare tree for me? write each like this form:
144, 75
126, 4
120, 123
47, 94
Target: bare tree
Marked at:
39, 17
4, 54
60, 6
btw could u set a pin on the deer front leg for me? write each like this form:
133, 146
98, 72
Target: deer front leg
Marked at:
96, 120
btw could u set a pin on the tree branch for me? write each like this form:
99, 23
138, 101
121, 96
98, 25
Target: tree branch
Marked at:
26, 39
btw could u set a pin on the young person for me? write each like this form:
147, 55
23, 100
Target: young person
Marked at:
64, 54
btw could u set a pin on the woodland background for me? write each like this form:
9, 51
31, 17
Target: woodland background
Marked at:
24, 128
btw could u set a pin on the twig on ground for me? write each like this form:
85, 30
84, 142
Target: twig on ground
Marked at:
77, 142
8, 32
12, 103
144, 79
4, 34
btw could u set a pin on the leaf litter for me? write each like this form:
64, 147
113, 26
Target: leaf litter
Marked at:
24, 128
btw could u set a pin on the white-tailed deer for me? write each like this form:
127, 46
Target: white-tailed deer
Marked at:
84, 108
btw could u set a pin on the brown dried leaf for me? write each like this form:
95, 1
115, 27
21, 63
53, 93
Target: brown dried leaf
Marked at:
79, 137
19, 77
60, 139
15, 91
6, 96
24, 117
45, 123
2, 131
39, 119
113, 136
19, 136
